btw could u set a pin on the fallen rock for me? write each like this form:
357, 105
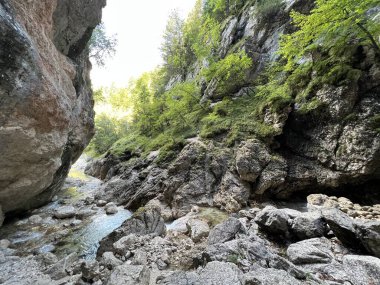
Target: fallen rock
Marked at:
342, 226
84, 213
65, 212
308, 225
129, 274
35, 219
269, 276
61, 268
363, 270
4, 243
111, 208
273, 221
198, 229
110, 261
225, 231
217, 272
369, 235
316, 250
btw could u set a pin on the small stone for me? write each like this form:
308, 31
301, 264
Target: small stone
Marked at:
161, 264
4, 243
75, 223
101, 203
65, 212
111, 208
35, 219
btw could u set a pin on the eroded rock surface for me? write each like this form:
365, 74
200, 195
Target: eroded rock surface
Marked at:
46, 115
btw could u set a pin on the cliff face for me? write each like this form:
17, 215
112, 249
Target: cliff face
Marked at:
46, 114
335, 147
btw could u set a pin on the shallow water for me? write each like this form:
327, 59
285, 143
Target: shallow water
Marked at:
83, 239
85, 242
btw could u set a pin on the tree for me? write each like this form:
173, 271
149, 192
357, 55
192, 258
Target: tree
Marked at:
332, 24
101, 45
173, 47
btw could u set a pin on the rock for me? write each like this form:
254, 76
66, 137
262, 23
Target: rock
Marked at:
233, 194
251, 159
111, 208
316, 250
60, 269
1, 216
75, 223
4, 243
198, 229
129, 274
46, 117
181, 278
225, 231
144, 221
90, 270
65, 212
125, 244
101, 203
85, 213
269, 276
110, 261
220, 273
273, 221
308, 225
48, 258
342, 226
363, 270
369, 235
35, 219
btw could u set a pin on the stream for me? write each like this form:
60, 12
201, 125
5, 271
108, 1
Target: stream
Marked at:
39, 232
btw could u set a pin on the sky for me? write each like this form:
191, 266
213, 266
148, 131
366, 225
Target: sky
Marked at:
139, 25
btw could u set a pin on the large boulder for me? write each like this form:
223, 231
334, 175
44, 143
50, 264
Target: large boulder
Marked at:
129, 274
369, 235
274, 221
308, 225
363, 270
225, 231
317, 250
46, 110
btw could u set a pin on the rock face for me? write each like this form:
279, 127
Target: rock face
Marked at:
46, 114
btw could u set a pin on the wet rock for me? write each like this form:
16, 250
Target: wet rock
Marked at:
85, 213
317, 250
129, 274
65, 212
273, 221
363, 270
308, 225
111, 208
225, 231
110, 261
198, 229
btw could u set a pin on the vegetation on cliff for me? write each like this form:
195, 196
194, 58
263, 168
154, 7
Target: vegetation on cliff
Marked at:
202, 90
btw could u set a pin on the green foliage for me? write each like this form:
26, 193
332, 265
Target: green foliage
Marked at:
228, 73
268, 9
108, 131
101, 45
332, 24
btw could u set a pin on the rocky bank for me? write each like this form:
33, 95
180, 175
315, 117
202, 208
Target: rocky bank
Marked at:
46, 109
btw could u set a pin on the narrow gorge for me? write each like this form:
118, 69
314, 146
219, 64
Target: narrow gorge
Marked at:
250, 156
